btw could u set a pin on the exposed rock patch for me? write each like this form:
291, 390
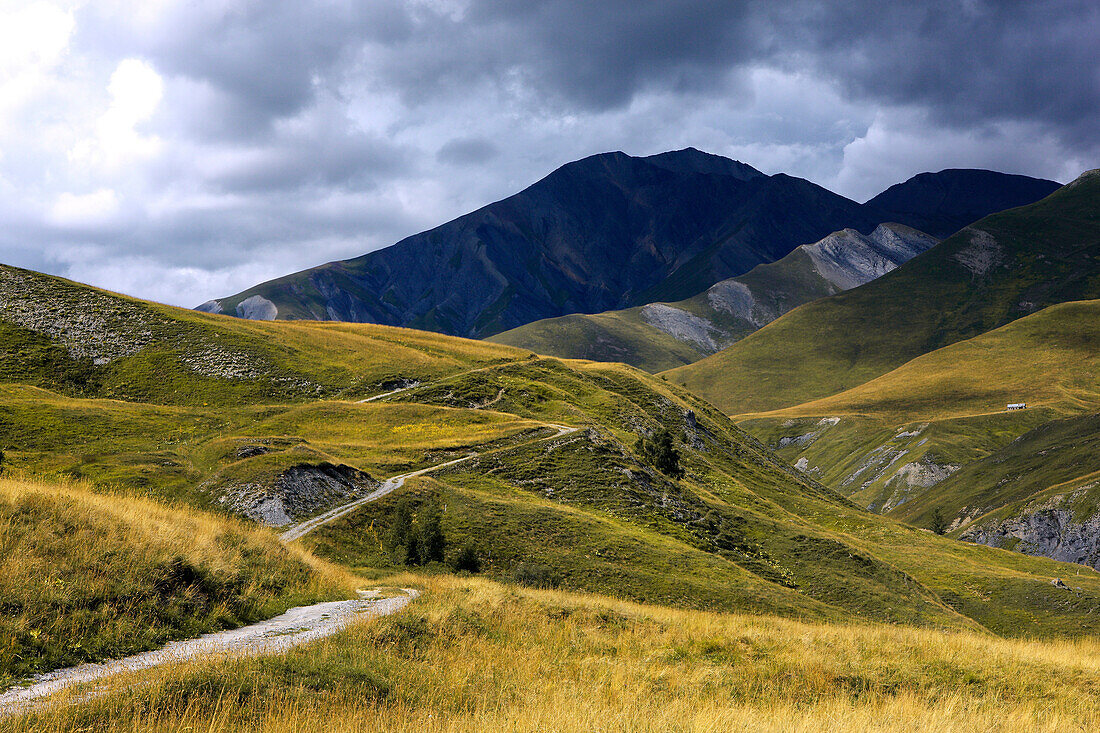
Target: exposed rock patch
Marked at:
982, 254
682, 325
848, 259
257, 308
298, 492
735, 298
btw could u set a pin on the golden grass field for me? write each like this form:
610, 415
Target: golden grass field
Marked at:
473, 655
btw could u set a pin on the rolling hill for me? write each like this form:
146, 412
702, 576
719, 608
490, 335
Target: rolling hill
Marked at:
607, 232
1001, 268
888, 441
729, 527
660, 336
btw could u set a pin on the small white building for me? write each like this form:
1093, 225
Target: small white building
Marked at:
1017, 406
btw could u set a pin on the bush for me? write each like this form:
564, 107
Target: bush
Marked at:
660, 452
416, 542
536, 576
938, 524
466, 559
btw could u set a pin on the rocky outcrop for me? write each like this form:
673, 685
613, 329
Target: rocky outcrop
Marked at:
1050, 530
682, 325
298, 492
848, 259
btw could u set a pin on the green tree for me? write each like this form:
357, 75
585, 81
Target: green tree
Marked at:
660, 452
430, 532
467, 559
938, 524
400, 529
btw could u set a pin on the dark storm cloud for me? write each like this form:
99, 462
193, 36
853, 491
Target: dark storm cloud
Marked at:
969, 63
290, 132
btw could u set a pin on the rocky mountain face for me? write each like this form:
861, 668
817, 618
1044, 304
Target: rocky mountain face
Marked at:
607, 232
728, 310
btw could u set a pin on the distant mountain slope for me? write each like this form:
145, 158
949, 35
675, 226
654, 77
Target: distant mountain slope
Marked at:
607, 232
942, 203
660, 336
1003, 267
604, 232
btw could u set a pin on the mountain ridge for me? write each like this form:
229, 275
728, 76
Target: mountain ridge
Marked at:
605, 232
726, 311
990, 273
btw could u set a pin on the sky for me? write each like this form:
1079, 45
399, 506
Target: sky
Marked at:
181, 150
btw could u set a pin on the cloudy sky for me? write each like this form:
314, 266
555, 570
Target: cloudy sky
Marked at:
185, 149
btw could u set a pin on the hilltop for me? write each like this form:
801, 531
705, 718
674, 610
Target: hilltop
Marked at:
660, 336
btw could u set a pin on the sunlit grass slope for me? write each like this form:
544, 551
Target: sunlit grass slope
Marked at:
881, 443
79, 340
475, 656
87, 576
739, 530
1001, 268
1048, 359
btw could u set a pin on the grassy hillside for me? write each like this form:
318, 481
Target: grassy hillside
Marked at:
997, 270
728, 526
471, 655
888, 441
1048, 359
82, 341
84, 576
661, 336
1055, 466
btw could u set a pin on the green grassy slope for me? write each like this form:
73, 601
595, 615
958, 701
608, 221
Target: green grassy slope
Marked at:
80, 340
888, 441
662, 336
739, 530
1001, 268
1055, 465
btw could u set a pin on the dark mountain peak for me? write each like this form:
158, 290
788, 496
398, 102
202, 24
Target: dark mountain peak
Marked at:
693, 160
941, 203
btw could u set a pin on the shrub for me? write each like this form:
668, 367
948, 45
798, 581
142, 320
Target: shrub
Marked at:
536, 576
466, 559
938, 524
660, 452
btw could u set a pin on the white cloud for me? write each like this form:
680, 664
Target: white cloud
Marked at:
85, 209
135, 91
33, 41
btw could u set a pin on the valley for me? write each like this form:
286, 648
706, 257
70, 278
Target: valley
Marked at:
263, 465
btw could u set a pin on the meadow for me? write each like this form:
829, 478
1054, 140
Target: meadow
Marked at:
473, 655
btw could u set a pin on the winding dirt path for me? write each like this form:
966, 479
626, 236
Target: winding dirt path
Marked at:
296, 626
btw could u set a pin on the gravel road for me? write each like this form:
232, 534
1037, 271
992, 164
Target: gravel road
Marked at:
296, 626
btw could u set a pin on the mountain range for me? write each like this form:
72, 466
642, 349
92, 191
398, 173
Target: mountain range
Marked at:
607, 232
659, 336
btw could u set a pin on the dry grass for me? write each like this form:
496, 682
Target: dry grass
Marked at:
87, 576
476, 656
